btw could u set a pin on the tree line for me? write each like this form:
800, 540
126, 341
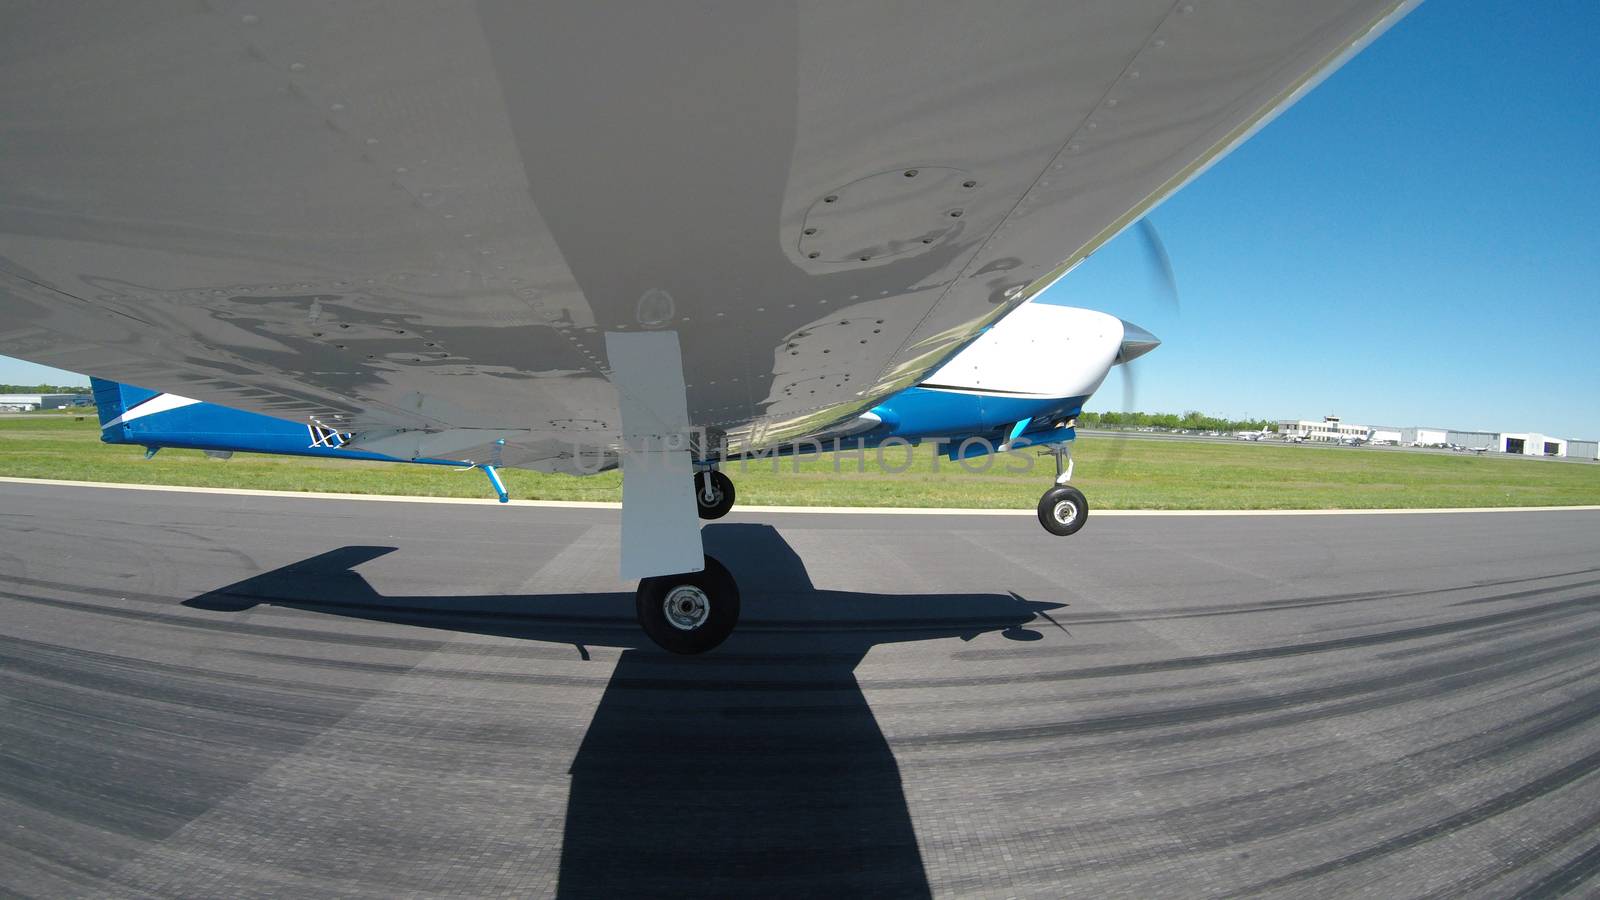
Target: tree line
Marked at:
1193, 420
43, 389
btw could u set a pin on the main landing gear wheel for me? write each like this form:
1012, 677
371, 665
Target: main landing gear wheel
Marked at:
713, 494
1063, 510
689, 613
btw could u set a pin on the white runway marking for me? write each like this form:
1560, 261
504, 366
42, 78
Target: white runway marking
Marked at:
830, 510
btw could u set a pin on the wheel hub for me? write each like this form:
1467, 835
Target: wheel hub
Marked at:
687, 607
1066, 512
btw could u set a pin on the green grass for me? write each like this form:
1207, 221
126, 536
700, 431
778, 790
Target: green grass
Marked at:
1145, 475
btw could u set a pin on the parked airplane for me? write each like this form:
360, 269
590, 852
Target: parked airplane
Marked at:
568, 238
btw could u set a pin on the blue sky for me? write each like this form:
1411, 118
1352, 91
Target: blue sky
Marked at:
1414, 243
1417, 242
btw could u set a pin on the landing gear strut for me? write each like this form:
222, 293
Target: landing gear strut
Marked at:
1063, 509
713, 493
689, 613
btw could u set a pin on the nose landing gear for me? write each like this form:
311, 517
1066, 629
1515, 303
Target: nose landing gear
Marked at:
713, 493
1063, 509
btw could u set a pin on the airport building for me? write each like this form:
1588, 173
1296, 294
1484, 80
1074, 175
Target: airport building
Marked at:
42, 401
1424, 437
1532, 444
1332, 429
1473, 440
1329, 429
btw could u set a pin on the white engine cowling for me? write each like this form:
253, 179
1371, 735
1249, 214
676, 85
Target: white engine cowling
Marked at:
1040, 350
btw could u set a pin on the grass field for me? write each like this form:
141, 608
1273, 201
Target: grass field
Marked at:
1145, 475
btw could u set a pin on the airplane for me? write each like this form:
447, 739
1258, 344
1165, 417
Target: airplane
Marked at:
570, 237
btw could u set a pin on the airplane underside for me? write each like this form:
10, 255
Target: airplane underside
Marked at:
565, 237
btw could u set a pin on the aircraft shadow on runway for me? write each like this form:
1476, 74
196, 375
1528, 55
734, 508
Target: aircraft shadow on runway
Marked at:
757, 768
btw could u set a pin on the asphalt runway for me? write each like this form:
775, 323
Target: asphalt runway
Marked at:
208, 695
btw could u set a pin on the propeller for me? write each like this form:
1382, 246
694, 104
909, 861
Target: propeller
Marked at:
1160, 262
1136, 341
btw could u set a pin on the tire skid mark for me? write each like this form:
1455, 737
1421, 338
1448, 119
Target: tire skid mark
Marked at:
143, 679
253, 629
53, 662
1563, 777
1238, 820
1335, 600
1294, 603
1570, 876
1360, 695
1556, 610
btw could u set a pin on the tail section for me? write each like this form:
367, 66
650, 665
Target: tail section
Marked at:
113, 401
152, 419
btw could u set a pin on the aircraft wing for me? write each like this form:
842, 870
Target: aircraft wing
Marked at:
417, 221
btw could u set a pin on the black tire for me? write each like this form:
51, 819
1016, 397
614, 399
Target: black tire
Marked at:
668, 629
721, 492
1063, 510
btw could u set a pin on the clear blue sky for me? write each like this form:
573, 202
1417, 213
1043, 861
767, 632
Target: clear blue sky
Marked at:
1415, 243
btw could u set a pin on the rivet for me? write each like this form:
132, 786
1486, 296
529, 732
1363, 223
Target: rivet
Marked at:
813, 255
955, 213
809, 231
297, 67
969, 184
911, 173
830, 198
249, 19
